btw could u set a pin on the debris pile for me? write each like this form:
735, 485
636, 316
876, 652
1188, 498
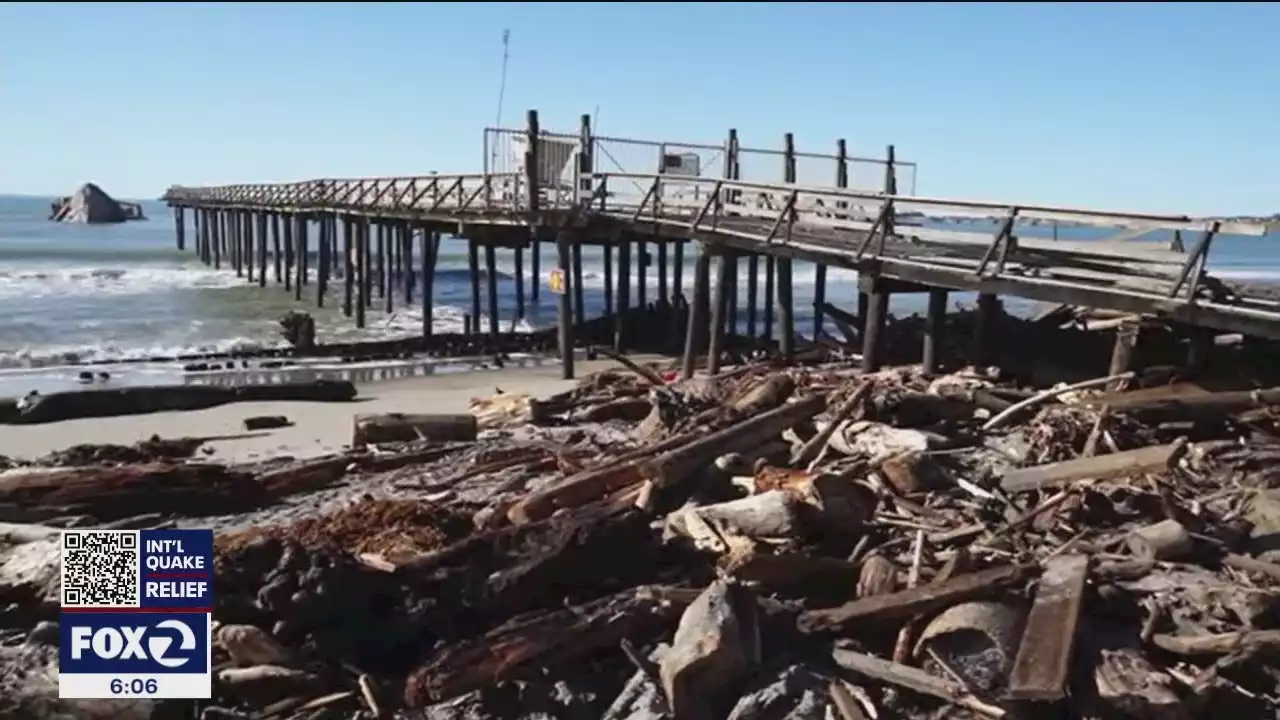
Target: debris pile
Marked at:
804, 542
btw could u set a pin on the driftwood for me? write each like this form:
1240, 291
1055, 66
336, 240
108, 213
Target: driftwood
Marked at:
400, 427
148, 399
540, 641
109, 493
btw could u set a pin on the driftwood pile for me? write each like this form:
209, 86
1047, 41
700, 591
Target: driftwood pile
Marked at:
796, 543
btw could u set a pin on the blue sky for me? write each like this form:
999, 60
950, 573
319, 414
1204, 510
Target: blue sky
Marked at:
1129, 106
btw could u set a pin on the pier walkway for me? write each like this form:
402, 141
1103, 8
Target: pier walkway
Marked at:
833, 210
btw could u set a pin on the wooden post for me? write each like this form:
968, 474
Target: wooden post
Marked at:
768, 297
519, 267
246, 242
363, 237
820, 273
276, 255
180, 227
677, 292
933, 329
491, 271
753, 292
1122, 353
366, 260
535, 267
220, 239
698, 312
606, 256
719, 306
579, 299
348, 265
564, 305
473, 268
624, 296
984, 327
430, 251
662, 298
235, 229
262, 249
786, 300
387, 251
406, 260
290, 221
324, 257
531, 153
300, 281
873, 330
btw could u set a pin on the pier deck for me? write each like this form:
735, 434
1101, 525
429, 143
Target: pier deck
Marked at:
560, 188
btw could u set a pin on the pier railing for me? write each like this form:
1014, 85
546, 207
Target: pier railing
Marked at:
794, 214
430, 194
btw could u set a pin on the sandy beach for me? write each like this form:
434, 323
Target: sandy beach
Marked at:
318, 429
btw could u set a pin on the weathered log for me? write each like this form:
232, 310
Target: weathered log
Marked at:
75, 404
1185, 405
540, 640
400, 427
266, 422
675, 465
113, 492
773, 514
1157, 458
913, 601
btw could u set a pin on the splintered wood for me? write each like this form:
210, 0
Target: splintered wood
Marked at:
641, 547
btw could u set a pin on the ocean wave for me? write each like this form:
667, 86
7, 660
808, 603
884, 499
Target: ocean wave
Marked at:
35, 281
399, 324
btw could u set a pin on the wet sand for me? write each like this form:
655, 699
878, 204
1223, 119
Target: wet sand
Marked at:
318, 429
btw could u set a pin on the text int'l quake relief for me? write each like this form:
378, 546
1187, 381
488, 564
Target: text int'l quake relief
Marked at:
136, 614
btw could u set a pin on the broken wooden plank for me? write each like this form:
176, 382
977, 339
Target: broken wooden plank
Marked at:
908, 603
911, 678
1044, 656
1156, 458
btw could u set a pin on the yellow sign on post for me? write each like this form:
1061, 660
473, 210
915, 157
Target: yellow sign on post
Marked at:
557, 281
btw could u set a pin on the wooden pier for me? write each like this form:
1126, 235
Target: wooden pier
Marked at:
667, 204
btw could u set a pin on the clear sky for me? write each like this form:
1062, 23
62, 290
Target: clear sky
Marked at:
1129, 106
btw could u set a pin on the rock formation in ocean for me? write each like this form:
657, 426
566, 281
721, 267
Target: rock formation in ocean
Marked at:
92, 205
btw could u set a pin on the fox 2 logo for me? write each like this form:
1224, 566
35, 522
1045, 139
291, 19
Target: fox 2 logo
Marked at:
134, 643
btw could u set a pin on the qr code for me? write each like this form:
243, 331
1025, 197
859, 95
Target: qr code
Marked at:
100, 568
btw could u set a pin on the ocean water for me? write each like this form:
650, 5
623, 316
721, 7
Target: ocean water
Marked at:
76, 293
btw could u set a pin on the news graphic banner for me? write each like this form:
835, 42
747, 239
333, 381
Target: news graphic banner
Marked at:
136, 614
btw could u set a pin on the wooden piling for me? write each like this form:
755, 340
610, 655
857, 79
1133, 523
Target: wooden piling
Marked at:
300, 258
324, 257
262, 248
699, 312
820, 271
491, 278
564, 304
362, 236
624, 296
180, 228
473, 273
873, 330
579, 295
719, 307
430, 251
934, 323
518, 261
406, 260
